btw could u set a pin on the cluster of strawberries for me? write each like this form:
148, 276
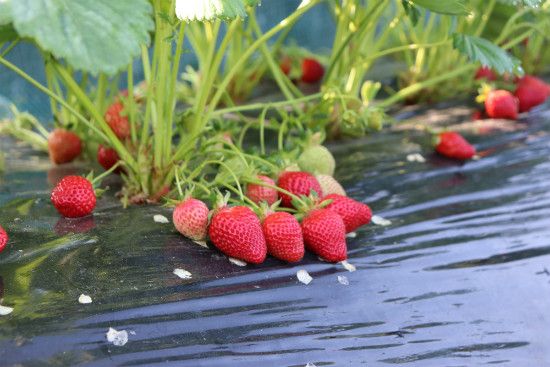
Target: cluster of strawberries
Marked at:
240, 233
529, 92
64, 146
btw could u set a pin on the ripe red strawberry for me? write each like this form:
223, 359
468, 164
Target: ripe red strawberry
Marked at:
298, 183
485, 72
74, 197
190, 217
329, 185
453, 145
312, 71
283, 236
107, 158
237, 232
118, 123
3, 239
354, 213
501, 104
64, 146
258, 193
325, 235
531, 92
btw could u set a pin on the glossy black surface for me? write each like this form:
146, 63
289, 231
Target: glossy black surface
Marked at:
458, 279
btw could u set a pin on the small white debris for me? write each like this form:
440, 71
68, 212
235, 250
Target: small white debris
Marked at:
342, 279
84, 299
321, 259
349, 267
351, 235
310, 365
237, 262
183, 274
5, 310
303, 276
118, 338
416, 157
132, 332
159, 218
379, 221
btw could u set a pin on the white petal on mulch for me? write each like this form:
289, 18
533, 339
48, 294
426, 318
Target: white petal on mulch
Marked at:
349, 267
159, 218
237, 262
379, 221
342, 279
351, 235
303, 276
118, 338
5, 310
416, 158
183, 274
84, 299
310, 365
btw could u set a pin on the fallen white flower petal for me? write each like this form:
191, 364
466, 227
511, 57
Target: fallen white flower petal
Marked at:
349, 267
5, 310
379, 221
84, 299
118, 338
342, 279
183, 274
310, 365
237, 261
303, 276
351, 235
159, 218
416, 157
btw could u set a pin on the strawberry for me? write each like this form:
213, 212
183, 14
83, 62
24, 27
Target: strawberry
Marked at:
3, 239
329, 185
190, 217
297, 183
258, 193
237, 232
286, 65
107, 158
354, 213
64, 146
283, 236
501, 104
325, 234
453, 145
485, 72
531, 92
118, 123
317, 159
74, 197
312, 71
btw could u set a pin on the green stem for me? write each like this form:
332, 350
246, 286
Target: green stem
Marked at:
259, 106
246, 55
415, 88
89, 106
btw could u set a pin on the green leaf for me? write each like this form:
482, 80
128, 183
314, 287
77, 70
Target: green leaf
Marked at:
96, 36
450, 7
7, 33
412, 11
488, 54
206, 10
525, 3
5, 12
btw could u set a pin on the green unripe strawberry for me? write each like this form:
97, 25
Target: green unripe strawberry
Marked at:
317, 159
